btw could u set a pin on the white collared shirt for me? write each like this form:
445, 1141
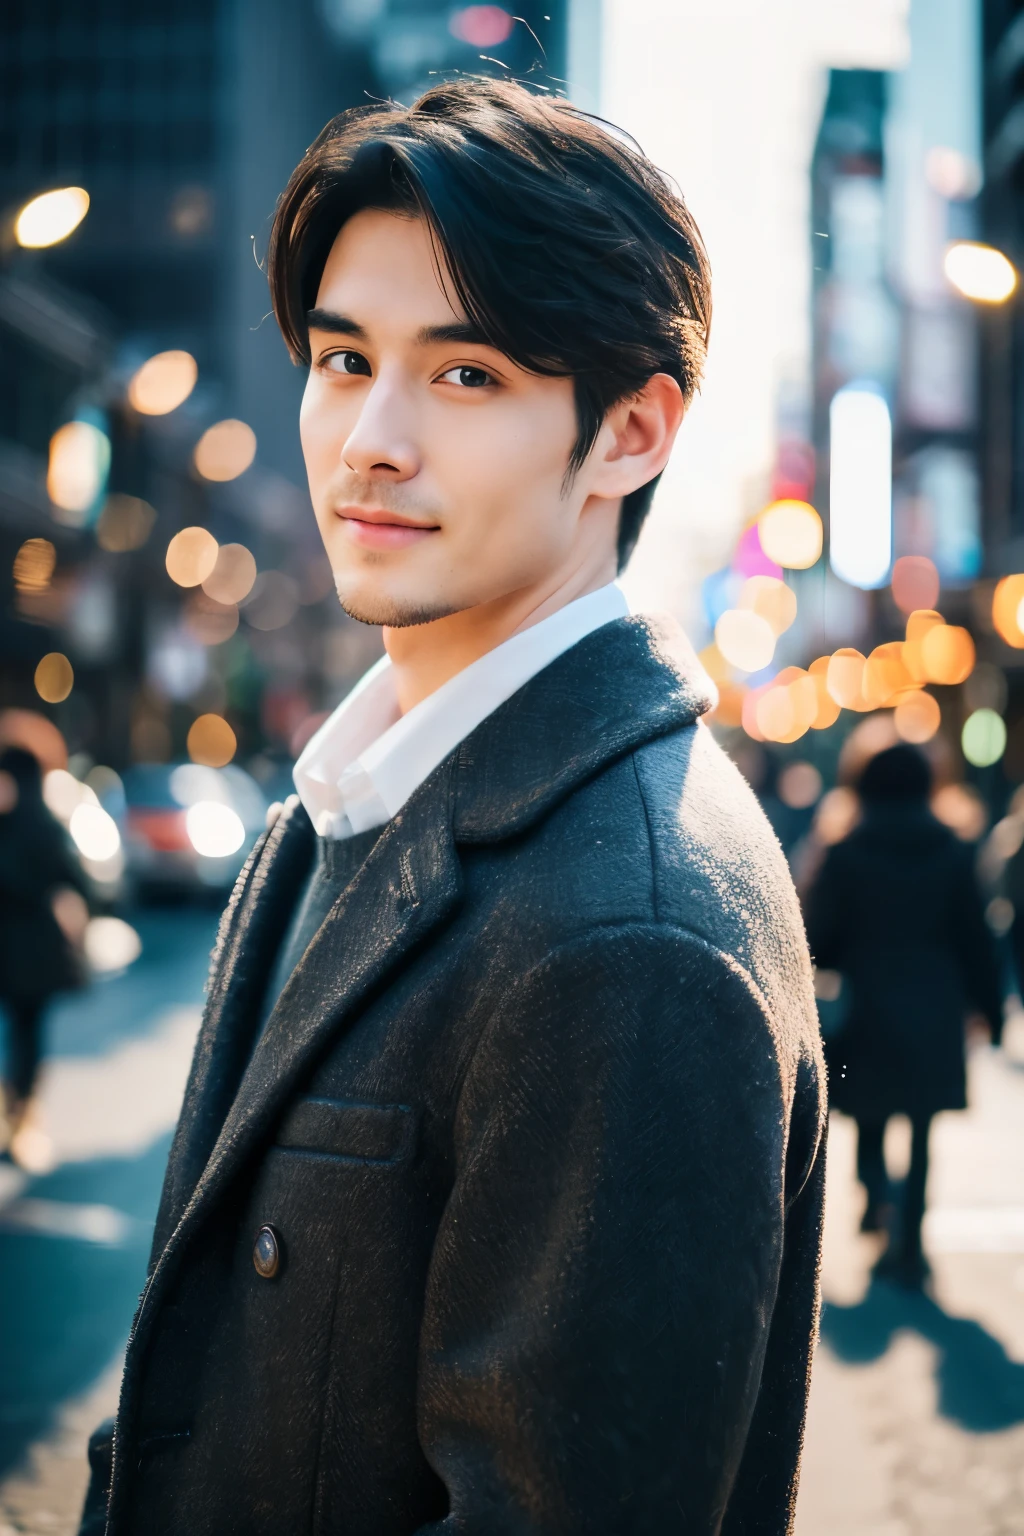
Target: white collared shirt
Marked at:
367, 758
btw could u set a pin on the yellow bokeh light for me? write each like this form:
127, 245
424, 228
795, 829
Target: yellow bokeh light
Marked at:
51, 217
54, 678
1006, 601
791, 534
827, 712
917, 717
191, 556
947, 654
845, 676
211, 741
163, 383
772, 599
77, 468
232, 576
980, 272
34, 565
886, 675
225, 450
745, 639
918, 625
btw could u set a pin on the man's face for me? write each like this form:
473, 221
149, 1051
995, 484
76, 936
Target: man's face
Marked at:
436, 466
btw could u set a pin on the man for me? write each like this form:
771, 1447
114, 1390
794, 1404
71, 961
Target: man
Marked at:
495, 1202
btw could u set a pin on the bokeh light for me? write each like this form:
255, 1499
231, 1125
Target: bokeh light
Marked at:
772, 599
918, 625
211, 741
1006, 606
915, 583
94, 832
77, 469
124, 524
860, 494
886, 675
799, 785
214, 829
163, 383
961, 808
745, 639
845, 676
225, 450
828, 710
63, 793
54, 677
191, 556
232, 576
947, 653
980, 272
836, 816
51, 217
110, 944
34, 565
482, 26
983, 738
791, 534
917, 717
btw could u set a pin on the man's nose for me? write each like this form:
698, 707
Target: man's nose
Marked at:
382, 442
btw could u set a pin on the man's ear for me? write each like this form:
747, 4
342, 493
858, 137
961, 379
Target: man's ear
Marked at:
636, 438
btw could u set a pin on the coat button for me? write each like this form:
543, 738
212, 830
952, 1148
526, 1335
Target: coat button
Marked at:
266, 1253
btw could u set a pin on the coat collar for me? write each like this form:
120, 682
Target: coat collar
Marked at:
626, 683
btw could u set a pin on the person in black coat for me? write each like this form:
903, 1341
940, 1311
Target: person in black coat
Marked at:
36, 959
896, 909
495, 1204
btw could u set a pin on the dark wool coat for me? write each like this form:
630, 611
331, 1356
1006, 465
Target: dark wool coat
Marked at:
36, 859
537, 1124
897, 909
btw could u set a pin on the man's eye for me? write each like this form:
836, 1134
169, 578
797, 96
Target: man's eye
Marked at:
347, 362
469, 378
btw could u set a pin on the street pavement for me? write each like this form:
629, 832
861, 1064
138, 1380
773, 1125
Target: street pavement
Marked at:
917, 1406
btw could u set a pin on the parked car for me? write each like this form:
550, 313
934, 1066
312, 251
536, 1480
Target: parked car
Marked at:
188, 828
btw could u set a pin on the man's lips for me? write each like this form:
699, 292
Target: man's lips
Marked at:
373, 528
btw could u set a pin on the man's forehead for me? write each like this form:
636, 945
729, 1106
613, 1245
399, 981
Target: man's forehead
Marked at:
386, 267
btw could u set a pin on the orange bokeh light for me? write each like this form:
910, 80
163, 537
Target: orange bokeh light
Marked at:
1006, 601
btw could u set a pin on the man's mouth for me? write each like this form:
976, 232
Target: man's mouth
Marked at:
376, 528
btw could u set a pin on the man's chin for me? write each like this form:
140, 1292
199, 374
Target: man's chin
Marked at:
391, 611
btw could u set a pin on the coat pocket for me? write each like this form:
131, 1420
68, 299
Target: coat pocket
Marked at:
369, 1133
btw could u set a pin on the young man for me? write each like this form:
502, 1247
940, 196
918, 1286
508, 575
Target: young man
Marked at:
495, 1203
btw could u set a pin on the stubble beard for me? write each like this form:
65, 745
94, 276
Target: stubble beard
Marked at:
384, 611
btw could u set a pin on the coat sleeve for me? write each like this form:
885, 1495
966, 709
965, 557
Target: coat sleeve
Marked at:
602, 1286
823, 914
976, 944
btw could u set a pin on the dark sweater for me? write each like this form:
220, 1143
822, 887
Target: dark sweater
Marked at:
335, 866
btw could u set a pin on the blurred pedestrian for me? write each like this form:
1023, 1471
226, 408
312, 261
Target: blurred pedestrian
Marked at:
38, 869
896, 909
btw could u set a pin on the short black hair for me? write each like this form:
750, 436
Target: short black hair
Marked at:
567, 248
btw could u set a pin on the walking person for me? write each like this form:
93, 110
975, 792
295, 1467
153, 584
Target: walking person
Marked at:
37, 959
495, 1202
896, 909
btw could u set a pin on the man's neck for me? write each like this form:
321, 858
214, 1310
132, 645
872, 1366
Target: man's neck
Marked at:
425, 656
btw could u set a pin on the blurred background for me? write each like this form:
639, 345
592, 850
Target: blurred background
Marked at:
841, 531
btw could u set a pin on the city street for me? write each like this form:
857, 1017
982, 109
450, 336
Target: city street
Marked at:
917, 1408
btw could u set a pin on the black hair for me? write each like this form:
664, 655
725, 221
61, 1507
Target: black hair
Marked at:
900, 773
568, 250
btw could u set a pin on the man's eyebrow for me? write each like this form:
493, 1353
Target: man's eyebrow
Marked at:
458, 331
330, 320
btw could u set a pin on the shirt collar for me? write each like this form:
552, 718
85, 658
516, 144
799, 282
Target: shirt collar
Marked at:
367, 758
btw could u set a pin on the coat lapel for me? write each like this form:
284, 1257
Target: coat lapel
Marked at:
408, 886
247, 943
